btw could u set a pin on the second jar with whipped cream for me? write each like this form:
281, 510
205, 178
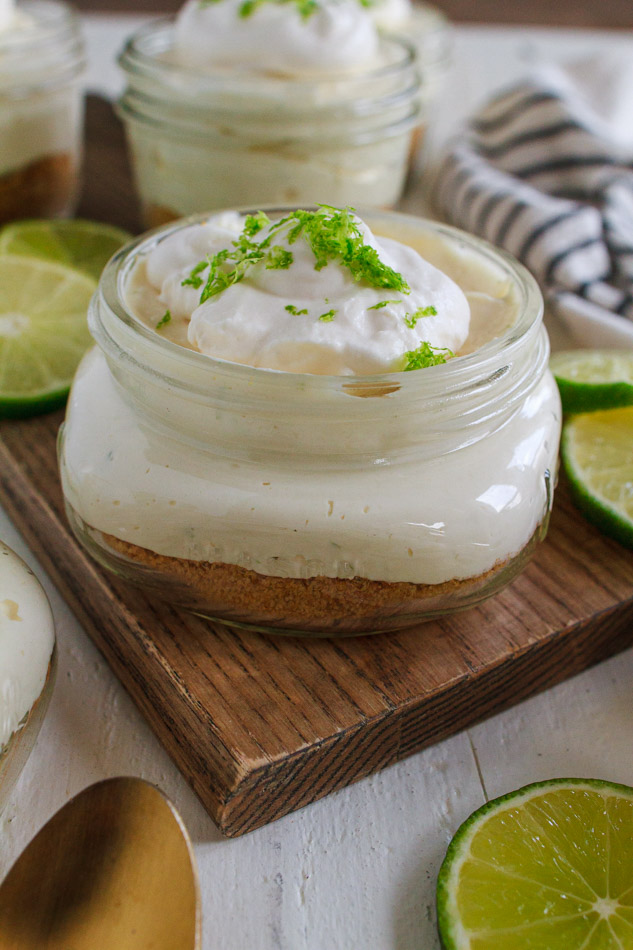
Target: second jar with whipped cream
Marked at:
234, 104
302, 453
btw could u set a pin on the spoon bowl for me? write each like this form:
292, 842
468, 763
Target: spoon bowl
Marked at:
114, 868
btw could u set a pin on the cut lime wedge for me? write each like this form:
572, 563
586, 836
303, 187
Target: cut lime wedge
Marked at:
548, 867
597, 453
43, 332
594, 379
85, 245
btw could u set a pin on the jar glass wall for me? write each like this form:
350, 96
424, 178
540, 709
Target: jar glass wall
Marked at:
41, 111
316, 504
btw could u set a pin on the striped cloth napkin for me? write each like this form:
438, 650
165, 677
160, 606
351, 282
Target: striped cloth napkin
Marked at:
545, 170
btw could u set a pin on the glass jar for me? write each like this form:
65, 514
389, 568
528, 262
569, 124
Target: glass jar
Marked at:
210, 140
41, 111
27, 665
311, 504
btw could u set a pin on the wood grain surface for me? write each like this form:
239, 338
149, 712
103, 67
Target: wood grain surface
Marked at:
261, 725
607, 14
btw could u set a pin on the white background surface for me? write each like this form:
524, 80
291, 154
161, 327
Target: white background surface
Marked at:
356, 870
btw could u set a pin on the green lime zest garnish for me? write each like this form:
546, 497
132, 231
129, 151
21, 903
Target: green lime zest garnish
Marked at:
164, 320
305, 8
383, 303
194, 279
328, 317
426, 355
332, 235
293, 310
279, 258
412, 318
255, 222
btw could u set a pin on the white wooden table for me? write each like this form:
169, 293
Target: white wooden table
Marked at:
356, 870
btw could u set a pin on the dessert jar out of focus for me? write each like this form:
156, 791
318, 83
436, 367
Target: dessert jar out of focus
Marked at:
41, 109
317, 504
226, 110
27, 665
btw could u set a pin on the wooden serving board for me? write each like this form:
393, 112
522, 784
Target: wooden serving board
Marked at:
260, 725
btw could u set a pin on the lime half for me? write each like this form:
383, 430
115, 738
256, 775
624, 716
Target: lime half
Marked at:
594, 379
597, 453
85, 245
43, 332
548, 867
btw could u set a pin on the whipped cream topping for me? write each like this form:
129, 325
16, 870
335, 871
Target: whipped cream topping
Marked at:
337, 36
391, 15
13, 19
26, 641
301, 318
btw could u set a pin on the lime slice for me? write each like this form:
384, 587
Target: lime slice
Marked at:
86, 245
43, 332
594, 379
548, 867
597, 453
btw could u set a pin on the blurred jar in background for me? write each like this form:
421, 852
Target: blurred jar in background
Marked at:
41, 109
231, 104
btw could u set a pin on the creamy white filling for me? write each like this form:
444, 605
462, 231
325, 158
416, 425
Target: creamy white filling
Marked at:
26, 641
425, 521
299, 318
339, 36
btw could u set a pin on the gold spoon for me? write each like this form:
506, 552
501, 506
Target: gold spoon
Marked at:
112, 870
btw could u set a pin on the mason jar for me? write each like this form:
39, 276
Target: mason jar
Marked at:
311, 504
41, 111
27, 665
428, 30
204, 140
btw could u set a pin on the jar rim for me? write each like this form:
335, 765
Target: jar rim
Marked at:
136, 60
53, 20
52, 46
449, 376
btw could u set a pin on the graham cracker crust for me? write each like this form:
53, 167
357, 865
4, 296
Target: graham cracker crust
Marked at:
317, 605
154, 216
43, 188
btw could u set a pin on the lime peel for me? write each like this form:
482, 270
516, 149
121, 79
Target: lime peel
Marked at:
591, 380
597, 454
86, 246
41, 345
559, 858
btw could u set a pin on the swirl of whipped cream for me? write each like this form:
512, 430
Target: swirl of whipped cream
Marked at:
301, 319
338, 36
12, 19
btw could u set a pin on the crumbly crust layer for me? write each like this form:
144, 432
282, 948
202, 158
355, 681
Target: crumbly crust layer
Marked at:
43, 188
155, 216
314, 604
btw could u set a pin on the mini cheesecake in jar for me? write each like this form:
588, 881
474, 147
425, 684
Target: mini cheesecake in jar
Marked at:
233, 103
312, 422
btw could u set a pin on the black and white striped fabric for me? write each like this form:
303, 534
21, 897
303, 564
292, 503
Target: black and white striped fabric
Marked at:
544, 172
